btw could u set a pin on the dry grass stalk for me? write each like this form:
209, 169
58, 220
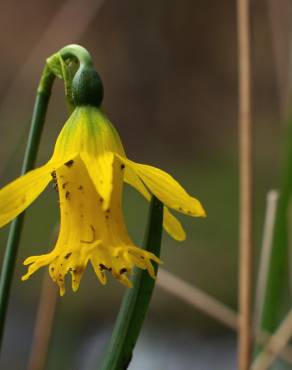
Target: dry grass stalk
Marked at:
245, 156
212, 307
280, 13
275, 345
197, 298
272, 199
43, 325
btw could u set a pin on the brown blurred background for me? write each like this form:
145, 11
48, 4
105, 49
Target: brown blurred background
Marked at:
170, 74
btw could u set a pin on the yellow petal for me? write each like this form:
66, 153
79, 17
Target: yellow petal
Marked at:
170, 223
100, 170
68, 141
36, 262
19, 194
133, 179
167, 189
87, 131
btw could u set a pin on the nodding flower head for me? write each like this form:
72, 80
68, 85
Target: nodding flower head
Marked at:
88, 168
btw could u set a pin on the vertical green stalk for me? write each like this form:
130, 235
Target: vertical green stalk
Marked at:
37, 123
55, 67
136, 300
277, 296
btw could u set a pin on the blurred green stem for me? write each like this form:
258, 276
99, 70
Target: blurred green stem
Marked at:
136, 300
55, 67
37, 123
277, 300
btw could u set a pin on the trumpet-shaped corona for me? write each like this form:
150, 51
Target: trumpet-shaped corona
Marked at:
89, 167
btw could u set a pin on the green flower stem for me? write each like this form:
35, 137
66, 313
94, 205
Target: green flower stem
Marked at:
55, 67
70, 53
136, 300
86, 87
77, 52
64, 65
38, 119
277, 300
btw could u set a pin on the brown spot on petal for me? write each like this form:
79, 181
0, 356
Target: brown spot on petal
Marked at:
68, 255
78, 270
103, 267
69, 163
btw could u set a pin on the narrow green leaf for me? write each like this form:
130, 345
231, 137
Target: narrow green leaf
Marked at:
277, 300
136, 300
37, 123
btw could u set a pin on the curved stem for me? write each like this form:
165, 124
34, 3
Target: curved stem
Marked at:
38, 119
77, 52
136, 300
61, 65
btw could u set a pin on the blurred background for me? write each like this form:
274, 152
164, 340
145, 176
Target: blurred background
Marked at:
170, 74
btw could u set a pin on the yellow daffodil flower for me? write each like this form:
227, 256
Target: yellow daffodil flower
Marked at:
88, 167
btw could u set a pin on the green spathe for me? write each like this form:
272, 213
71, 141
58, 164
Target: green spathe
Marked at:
87, 87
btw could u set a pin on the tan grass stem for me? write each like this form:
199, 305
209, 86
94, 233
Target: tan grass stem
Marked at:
272, 199
197, 298
280, 13
245, 165
207, 304
43, 325
275, 345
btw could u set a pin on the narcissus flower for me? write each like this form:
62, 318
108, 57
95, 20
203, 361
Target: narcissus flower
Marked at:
89, 167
